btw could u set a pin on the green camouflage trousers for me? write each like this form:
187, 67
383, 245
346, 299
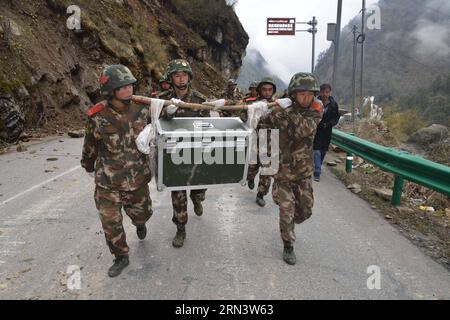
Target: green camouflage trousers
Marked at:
179, 204
137, 205
264, 181
295, 200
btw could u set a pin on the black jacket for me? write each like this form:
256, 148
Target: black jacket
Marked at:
330, 119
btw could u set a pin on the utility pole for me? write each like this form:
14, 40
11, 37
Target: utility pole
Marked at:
355, 52
313, 30
361, 39
336, 43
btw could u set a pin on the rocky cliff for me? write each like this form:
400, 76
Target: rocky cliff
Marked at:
49, 67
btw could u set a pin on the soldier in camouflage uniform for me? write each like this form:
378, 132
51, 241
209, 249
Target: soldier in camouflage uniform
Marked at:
165, 87
297, 122
252, 90
232, 97
180, 74
122, 173
266, 89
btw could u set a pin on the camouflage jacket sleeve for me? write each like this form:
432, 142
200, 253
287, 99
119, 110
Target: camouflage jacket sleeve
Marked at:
301, 124
306, 122
90, 148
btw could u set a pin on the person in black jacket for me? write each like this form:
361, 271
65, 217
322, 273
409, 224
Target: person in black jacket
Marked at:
323, 135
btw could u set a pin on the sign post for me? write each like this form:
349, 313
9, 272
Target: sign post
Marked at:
287, 27
281, 26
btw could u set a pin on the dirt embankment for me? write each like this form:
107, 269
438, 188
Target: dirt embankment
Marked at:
49, 73
424, 214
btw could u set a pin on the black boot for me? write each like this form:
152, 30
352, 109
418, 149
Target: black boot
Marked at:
260, 200
251, 184
178, 240
289, 254
120, 263
141, 231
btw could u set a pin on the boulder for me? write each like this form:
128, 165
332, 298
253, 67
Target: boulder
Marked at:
11, 119
383, 193
429, 135
355, 188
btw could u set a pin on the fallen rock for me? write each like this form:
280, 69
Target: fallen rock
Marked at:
336, 149
383, 193
355, 188
12, 119
76, 133
331, 163
429, 135
21, 148
357, 161
405, 210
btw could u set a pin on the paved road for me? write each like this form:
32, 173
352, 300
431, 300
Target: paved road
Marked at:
48, 222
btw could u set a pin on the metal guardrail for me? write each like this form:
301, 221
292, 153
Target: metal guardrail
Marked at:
402, 164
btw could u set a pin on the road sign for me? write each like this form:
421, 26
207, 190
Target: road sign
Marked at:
281, 26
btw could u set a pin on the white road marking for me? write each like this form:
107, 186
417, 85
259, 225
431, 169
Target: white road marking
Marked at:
39, 185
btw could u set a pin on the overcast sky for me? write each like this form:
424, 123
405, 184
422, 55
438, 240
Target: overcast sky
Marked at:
287, 55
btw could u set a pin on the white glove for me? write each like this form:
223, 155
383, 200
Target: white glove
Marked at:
92, 174
175, 101
144, 138
260, 106
284, 102
171, 109
217, 103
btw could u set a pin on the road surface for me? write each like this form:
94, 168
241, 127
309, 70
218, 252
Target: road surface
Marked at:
49, 229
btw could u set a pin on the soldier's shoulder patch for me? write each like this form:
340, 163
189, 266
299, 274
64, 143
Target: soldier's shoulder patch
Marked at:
199, 95
96, 109
317, 105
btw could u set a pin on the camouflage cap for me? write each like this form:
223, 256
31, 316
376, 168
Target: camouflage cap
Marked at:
114, 77
303, 81
267, 80
164, 78
253, 84
179, 65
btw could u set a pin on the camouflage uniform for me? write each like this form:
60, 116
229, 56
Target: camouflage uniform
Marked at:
232, 98
252, 85
292, 190
179, 198
122, 173
161, 92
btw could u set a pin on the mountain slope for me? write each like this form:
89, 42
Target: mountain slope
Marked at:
411, 51
254, 68
48, 73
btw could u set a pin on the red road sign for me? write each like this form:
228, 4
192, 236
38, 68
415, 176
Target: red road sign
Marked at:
281, 26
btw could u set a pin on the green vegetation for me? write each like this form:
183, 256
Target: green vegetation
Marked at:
200, 14
427, 106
